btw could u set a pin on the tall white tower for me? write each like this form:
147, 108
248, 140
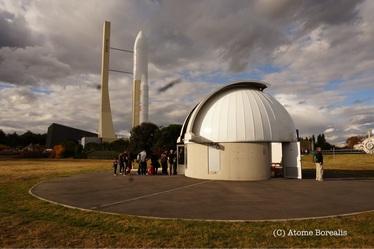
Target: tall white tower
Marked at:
140, 83
106, 128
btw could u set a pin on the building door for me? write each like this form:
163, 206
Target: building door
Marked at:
292, 160
181, 159
214, 159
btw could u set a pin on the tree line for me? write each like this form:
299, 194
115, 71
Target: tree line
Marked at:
20, 141
305, 143
150, 137
146, 136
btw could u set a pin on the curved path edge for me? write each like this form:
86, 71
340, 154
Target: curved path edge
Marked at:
235, 192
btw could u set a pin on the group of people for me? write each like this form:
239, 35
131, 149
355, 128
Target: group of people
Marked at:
125, 164
125, 161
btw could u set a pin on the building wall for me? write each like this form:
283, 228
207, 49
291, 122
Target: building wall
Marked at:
58, 133
86, 140
238, 162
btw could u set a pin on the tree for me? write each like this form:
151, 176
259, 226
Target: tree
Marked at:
91, 147
321, 142
304, 144
143, 137
23, 140
120, 145
58, 151
104, 146
71, 148
352, 141
13, 139
167, 137
29, 137
2, 137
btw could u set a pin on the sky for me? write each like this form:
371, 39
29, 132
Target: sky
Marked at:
317, 55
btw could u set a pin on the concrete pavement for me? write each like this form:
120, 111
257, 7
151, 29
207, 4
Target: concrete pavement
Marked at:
181, 197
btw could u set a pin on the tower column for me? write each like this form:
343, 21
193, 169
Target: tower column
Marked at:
106, 128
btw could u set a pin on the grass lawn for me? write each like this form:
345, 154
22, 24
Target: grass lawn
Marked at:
351, 164
26, 221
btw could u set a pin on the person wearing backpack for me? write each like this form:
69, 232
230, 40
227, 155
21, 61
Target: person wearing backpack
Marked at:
319, 165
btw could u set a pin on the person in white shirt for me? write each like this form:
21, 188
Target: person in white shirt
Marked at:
142, 162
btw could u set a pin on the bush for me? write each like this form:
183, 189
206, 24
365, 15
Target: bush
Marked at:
57, 152
103, 155
46, 154
80, 156
78, 149
120, 145
4, 147
31, 154
91, 147
10, 153
104, 146
71, 148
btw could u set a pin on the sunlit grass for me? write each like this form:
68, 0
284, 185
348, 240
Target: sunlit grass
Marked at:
351, 164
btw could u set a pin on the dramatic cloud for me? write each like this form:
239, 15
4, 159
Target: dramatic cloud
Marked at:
317, 56
31, 65
14, 31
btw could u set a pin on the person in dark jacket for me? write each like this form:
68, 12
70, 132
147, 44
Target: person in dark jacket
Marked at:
128, 162
172, 163
155, 163
319, 165
164, 163
121, 164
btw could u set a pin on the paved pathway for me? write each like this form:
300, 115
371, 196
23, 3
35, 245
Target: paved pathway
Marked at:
187, 198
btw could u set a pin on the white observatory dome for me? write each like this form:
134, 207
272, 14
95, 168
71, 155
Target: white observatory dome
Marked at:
239, 112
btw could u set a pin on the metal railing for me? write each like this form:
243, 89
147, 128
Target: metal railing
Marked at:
344, 151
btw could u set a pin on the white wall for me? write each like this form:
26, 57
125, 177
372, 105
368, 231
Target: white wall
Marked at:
276, 152
238, 162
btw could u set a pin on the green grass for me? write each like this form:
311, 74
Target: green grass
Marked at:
361, 165
26, 221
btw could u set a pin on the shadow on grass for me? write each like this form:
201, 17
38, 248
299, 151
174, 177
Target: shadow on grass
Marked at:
337, 174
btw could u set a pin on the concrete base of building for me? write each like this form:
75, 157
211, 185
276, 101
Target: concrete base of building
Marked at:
229, 161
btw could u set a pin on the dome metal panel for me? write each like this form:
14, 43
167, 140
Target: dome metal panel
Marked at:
239, 112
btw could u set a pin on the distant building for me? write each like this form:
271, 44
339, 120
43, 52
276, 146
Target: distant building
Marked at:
58, 133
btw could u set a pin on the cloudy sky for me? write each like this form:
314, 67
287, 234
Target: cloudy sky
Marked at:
318, 57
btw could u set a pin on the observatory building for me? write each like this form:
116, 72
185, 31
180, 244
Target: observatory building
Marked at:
235, 133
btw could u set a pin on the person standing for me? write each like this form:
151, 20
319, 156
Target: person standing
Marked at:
142, 162
125, 159
319, 165
129, 164
164, 164
115, 164
155, 163
172, 159
181, 156
121, 163
175, 162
